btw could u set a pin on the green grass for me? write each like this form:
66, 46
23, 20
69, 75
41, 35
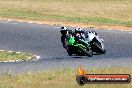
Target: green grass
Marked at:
109, 12
59, 79
14, 56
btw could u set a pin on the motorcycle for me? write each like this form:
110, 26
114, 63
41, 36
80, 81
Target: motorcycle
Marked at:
96, 43
78, 49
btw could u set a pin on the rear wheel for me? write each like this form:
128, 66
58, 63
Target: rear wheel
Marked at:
90, 53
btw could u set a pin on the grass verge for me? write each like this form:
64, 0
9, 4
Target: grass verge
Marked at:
21, 14
100, 12
11, 56
59, 79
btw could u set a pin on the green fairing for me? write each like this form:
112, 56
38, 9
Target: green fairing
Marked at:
80, 48
71, 41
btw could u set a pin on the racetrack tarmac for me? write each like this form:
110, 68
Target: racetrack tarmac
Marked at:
44, 40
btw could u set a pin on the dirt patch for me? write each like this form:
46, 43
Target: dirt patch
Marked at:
83, 25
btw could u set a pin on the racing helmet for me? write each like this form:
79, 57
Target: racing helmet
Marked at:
63, 30
78, 30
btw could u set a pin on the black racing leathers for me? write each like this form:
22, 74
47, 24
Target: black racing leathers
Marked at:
63, 40
65, 37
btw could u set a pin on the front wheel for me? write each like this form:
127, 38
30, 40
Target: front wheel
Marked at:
88, 53
99, 48
70, 50
69, 53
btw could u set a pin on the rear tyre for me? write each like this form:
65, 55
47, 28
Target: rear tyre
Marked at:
90, 53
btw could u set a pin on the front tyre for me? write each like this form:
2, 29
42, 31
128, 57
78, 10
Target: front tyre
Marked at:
69, 53
99, 48
88, 53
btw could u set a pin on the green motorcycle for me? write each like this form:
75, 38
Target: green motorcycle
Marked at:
78, 48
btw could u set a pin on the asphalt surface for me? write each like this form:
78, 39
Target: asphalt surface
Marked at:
44, 40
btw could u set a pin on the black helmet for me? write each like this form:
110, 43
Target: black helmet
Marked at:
78, 30
70, 31
63, 30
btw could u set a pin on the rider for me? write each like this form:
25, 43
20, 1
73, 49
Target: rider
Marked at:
79, 36
65, 34
83, 34
80, 33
